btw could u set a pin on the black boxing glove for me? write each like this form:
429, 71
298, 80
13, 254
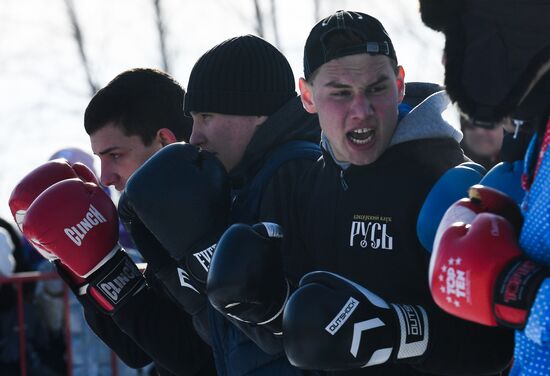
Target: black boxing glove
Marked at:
175, 280
332, 323
182, 196
246, 279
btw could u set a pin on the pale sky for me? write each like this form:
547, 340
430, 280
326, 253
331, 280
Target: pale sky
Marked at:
43, 89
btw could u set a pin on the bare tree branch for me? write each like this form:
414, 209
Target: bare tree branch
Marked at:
79, 39
275, 24
408, 22
316, 10
162, 35
259, 19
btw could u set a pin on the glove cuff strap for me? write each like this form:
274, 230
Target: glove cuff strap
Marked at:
516, 290
414, 331
110, 287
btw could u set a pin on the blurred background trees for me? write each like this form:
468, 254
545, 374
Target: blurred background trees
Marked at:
55, 54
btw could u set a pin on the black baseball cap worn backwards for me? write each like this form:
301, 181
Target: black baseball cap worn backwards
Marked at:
375, 39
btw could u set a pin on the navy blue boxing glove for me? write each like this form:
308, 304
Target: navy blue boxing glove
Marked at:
182, 196
451, 186
175, 207
246, 279
506, 177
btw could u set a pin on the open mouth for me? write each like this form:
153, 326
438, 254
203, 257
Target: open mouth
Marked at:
361, 136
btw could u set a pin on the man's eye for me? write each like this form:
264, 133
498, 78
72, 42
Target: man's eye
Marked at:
341, 94
115, 155
376, 89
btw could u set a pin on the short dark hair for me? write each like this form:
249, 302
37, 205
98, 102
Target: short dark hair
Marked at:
140, 101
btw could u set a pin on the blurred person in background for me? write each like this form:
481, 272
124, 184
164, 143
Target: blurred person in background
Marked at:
480, 144
44, 352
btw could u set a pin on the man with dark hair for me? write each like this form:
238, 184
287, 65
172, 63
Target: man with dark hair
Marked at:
136, 114
365, 300
246, 113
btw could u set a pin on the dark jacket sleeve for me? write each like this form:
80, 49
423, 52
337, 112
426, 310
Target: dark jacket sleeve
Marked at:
459, 347
165, 333
150, 328
105, 328
126, 349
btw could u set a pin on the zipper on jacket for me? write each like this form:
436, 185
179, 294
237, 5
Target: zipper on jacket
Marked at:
343, 181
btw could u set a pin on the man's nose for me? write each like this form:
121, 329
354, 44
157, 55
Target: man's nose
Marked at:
108, 175
197, 138
361, 106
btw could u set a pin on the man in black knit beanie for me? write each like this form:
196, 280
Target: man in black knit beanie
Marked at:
242, 98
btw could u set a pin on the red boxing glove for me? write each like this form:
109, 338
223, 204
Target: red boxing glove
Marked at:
36, 181
477, 273
75, 221
481, 200
42, 177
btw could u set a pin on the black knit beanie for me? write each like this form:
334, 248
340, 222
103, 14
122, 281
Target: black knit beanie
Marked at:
244, 75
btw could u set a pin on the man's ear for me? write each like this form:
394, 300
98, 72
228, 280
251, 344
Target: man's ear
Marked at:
400, 80
166, 136
306, 94
260, 120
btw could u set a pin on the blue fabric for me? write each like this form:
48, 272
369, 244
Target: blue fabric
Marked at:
403, 110
532, 346
234, 353
506, 177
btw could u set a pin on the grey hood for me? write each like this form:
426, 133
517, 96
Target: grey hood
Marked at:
432, 118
